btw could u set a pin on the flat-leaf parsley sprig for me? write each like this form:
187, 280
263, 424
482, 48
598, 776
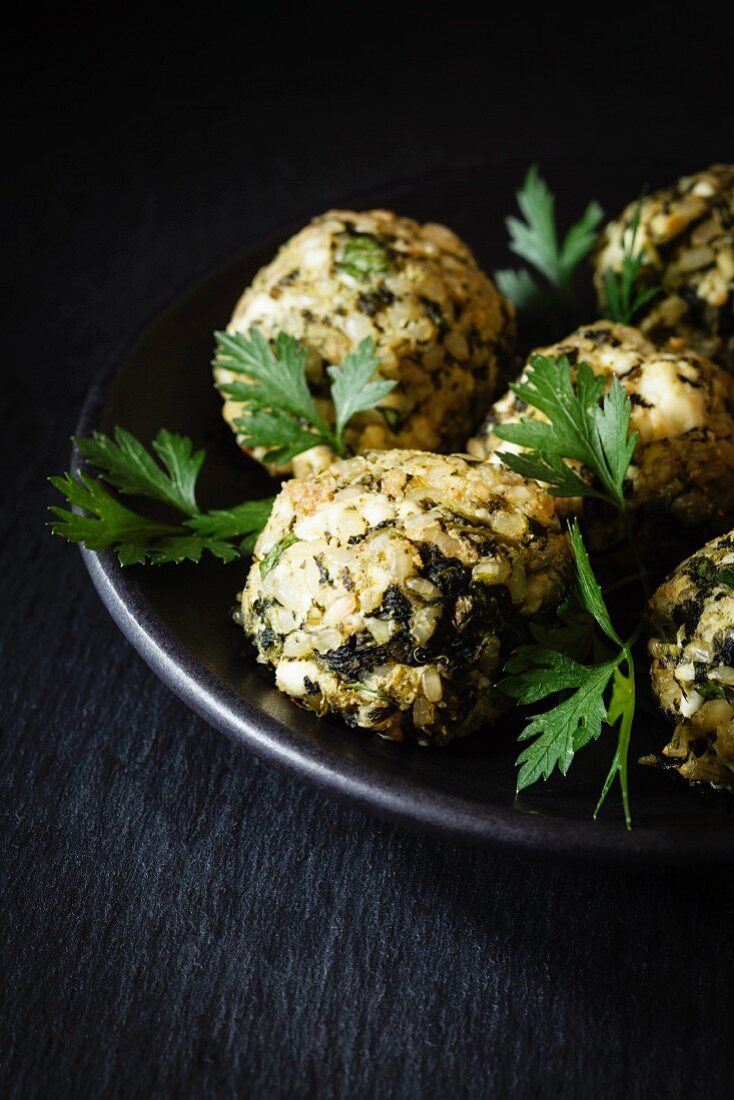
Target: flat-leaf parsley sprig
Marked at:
581, 426
280, 414
624, 299
578, 427
584, 425
536, 239
592, 695
102, 522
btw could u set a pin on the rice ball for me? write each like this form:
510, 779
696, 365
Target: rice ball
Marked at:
389, 589
687, 234
692, 650
442, 331
682, 471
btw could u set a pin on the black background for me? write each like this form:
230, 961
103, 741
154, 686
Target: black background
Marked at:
178, 919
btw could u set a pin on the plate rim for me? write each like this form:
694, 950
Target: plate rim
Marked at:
393, 798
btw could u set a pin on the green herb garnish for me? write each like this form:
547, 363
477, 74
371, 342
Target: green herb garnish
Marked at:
585, 426
355, 389
578, 427
623, 299
125, 465
362, 256
280, 413
273, 556
537, 672
536, 240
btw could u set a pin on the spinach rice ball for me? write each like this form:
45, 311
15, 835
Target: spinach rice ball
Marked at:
687, 234
681, 479
389, 589
441, 329
692, 651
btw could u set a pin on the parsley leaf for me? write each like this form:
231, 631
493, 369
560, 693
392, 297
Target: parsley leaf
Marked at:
559, 733
536, 240
281, 435
362, 256
244, 521
589, 589
521, 288
280, 414
101, 522
577, 428
136, 539
127, 466
623, 299
615, 444
537, 672
561, 479
273, 556
353, 387
108, 523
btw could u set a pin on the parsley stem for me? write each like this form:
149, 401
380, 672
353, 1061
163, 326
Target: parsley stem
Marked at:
336, 441
625, 734
635, 554
635, 635
620, 763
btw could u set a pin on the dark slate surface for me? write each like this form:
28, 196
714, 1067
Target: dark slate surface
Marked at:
178, 920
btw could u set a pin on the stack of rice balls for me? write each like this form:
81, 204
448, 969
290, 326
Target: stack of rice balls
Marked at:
389, 588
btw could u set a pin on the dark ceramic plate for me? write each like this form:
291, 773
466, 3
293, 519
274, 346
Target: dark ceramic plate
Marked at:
177, 617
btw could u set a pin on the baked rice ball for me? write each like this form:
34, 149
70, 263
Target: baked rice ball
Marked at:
692, 650
687, 234
682, 474
442, 330
389, 589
